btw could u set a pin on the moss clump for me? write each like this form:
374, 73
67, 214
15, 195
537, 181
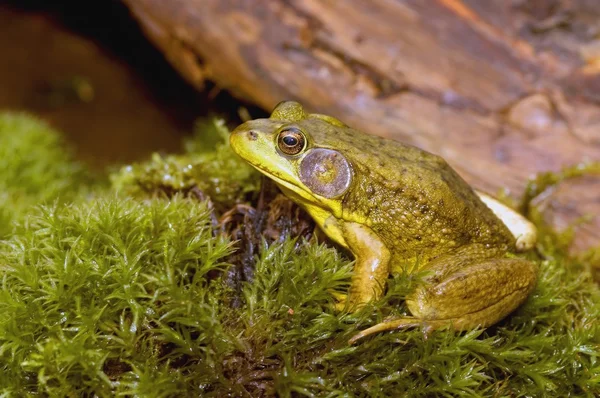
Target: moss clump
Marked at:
35, 167
120, 295
207, 169
94, 293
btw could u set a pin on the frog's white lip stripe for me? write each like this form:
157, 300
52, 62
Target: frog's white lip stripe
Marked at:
292, 187
277, 178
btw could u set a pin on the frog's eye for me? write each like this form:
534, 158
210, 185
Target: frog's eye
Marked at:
291, 141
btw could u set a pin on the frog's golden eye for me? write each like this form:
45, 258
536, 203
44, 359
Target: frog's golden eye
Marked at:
291, 141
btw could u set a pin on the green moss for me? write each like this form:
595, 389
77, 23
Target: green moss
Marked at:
35, 167
120, 294
88, 284
207, 169
561, 240
544, 181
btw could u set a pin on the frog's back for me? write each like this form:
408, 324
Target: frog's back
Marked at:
413, 199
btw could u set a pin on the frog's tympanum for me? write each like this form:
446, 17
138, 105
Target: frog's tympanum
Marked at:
397, 208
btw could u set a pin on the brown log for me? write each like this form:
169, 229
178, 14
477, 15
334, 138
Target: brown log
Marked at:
501, 89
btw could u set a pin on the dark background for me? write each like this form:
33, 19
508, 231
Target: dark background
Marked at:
140, 104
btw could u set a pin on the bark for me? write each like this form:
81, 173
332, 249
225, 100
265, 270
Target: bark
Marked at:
501, 89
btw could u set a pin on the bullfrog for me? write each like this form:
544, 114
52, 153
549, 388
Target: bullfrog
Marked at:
397, 209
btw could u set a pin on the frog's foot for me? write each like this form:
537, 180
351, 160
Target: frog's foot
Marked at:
526, 240
522, 229
404, 323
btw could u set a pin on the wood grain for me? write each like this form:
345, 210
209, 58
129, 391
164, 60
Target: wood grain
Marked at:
501, 89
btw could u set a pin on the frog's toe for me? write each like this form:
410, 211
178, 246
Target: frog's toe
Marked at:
340, 301
348, 303
392, 324
339, 306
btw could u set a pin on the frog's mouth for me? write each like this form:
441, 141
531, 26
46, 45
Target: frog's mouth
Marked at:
303, 197
298, 191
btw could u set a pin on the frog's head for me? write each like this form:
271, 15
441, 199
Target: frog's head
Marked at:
291, 147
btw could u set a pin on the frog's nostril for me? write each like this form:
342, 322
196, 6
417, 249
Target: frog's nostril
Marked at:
252, 135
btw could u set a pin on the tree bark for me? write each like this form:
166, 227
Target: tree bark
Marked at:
501, 89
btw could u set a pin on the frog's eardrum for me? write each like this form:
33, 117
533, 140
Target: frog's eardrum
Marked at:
325, 172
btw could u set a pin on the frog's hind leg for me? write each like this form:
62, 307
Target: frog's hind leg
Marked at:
479, 294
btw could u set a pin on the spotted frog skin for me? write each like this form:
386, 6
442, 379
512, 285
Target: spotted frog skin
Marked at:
398, 209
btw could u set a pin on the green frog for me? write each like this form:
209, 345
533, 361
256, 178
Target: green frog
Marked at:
397, 208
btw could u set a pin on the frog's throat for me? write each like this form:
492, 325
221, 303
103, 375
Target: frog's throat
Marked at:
303, 196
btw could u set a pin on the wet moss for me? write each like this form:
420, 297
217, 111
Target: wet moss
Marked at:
207, 168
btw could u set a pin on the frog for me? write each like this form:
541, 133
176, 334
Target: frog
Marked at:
397, 209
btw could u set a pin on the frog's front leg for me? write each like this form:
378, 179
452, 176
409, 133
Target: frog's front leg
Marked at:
465, 296
371, 268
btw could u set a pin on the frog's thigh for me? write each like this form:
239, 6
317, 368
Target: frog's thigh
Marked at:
521, 228
478, 295
371, 269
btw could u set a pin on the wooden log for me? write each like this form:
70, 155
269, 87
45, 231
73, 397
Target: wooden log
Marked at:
501, 89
